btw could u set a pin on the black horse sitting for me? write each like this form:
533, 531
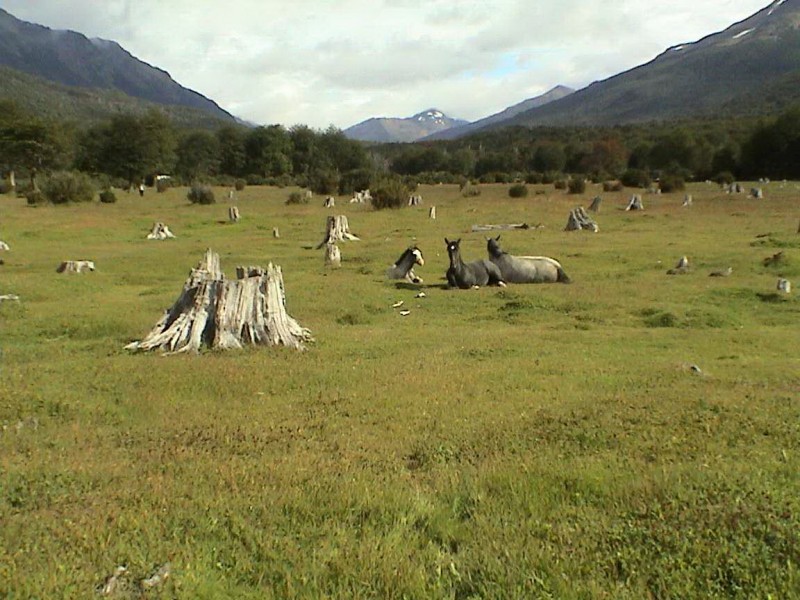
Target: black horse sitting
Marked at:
403, 268
468, 275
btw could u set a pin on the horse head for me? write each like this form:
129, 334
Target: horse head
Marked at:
417, 253
493, 246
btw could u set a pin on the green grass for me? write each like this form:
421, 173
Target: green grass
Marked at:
528, 442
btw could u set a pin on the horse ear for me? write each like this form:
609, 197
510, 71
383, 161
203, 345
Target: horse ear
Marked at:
458, 241
497, 239
446, 241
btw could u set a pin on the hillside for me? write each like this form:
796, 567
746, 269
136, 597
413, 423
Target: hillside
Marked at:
90, 73
748, 69
498, 119
388, 129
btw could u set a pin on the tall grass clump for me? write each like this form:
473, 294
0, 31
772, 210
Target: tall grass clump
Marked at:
201, 194
518, 190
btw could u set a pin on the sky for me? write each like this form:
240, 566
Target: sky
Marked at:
322, 63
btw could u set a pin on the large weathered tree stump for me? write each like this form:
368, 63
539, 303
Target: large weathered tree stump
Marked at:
160, 232
337, 230
215, 312
75, 266
579, 221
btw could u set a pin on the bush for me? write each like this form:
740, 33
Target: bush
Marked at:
34, 196
577, 185
254, 179
534, 177
162, 185
107, 197
239, 184
470, 191
65, 186
297, 198
518, 190
672, 183
612, 186
560, 184
201, 194
724, 178
390, 193
635, 178
5, 186
323, 181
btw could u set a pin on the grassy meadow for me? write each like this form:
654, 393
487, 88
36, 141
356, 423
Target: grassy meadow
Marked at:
539, 441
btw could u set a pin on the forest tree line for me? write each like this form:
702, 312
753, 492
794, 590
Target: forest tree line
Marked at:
127, 149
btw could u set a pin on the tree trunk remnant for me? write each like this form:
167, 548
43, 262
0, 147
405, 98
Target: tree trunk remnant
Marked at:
12, 181
579, 220
160, 232
635, 203
785, 286
337, 230
330, 202
275, 233
233, 214
218, 313
4, 246
476, 228
75, 266
333, 256
432, 213
595, 205
687, 200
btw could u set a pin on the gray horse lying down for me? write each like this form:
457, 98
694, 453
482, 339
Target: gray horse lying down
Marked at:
525, 269
468, 275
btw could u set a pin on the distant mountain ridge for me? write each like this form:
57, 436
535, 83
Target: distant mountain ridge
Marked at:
410, 129
71, 59
558, 92
749, 68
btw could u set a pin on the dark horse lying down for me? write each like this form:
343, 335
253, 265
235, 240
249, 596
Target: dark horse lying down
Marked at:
467, 275
403, 268
525, 269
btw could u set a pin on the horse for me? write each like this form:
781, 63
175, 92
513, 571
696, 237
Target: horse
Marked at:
403, 268
470, 275
525, 269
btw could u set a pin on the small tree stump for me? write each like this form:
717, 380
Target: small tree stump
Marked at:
275, 233
337, 230
595, 205
785, 286
757, 192
681, 268
218, 313
330, 202
687, 200
414, 200
12, 181
579, 220
233, 214
160, 232
635, 203
333, 256
432, 213
4, 246
75, 266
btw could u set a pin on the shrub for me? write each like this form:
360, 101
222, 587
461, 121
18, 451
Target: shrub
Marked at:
612, 186
724, 178
470, 191
254, 179
162, 185
518, 190
323, 181
534, 177
239, 184
297, 198
560, 184
5, 186
672, 183
107, 197
390, 193
65, 186
201, 194
34, 196
635, 178
577, 185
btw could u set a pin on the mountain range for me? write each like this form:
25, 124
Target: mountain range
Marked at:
65, 70
750, 68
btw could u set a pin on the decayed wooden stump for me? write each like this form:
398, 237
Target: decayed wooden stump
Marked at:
681, 268
75, 266
687, 200
233, 214
160, 232
337, 230
785, 286
432, 212
219, 313
4, 246
414, 200
635, 203
275, 233
333, 256
595, 205
579, 220
502, 226
330, 202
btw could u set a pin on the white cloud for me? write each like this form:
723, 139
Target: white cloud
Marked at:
321, 63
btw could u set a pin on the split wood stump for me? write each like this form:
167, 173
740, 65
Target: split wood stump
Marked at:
579, 220
160, 232
226, 314
75, 266
337, 230
595, 205
635, 203
432, 213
